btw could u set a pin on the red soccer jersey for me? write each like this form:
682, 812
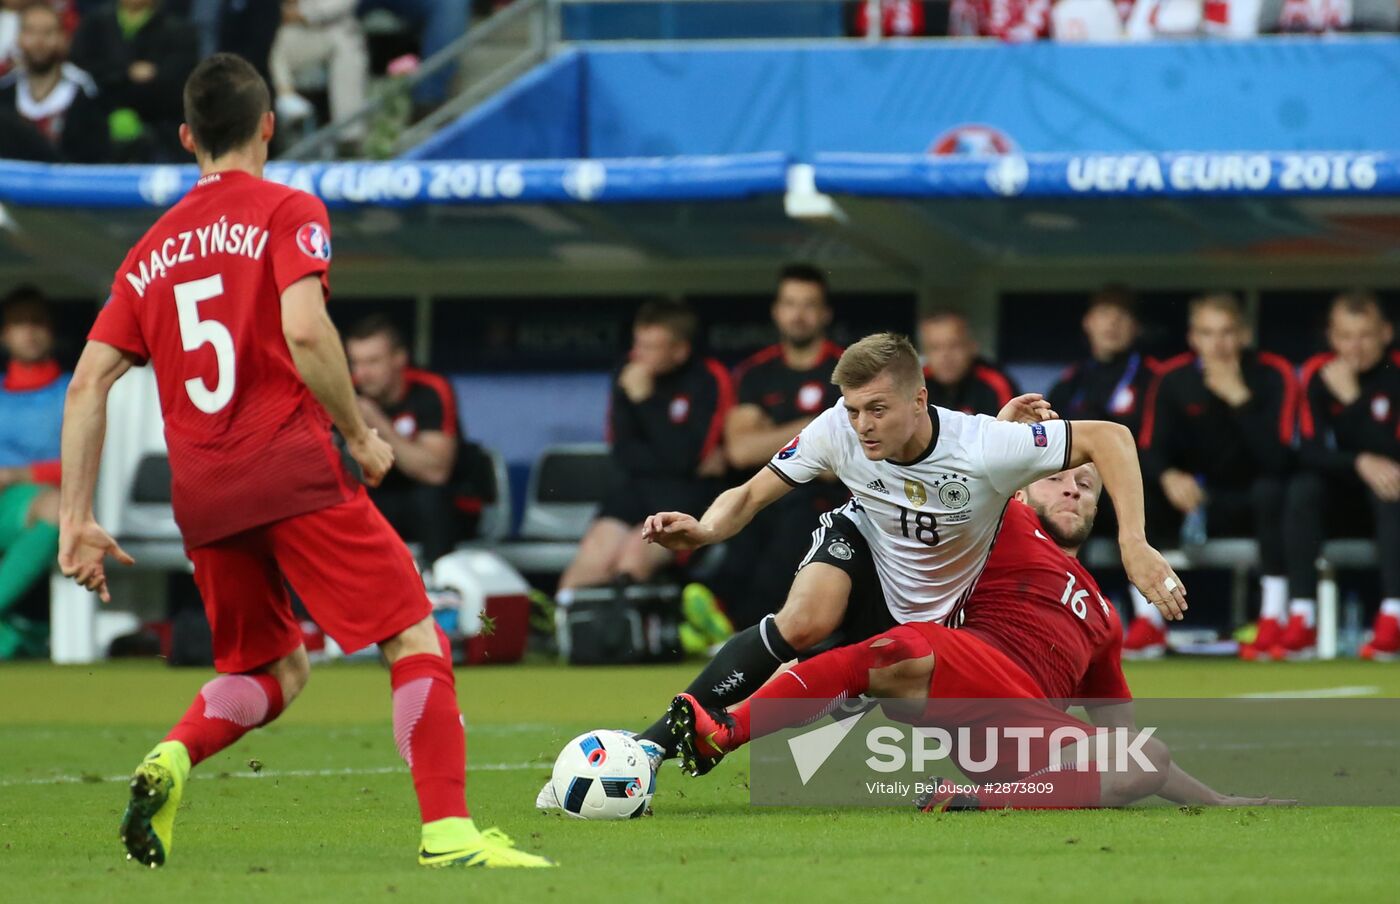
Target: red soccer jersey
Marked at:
1044, 610
200, 298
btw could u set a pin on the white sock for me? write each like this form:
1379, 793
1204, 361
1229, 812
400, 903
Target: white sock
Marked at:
1273, 594
1143, 609
1390, 607
1305, 608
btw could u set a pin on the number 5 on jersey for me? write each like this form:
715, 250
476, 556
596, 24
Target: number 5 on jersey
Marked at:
196, 333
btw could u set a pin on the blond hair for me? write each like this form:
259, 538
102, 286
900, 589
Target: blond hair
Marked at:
874, 355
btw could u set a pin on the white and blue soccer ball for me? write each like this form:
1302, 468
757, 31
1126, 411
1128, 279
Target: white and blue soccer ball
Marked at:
603, 774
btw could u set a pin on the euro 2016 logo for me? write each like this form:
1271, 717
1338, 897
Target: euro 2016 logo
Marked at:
314, 241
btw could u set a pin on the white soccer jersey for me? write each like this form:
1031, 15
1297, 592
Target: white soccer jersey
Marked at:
930, 522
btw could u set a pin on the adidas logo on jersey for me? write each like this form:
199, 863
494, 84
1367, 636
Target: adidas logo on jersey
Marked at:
878, 486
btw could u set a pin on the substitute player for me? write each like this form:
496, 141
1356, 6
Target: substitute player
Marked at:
1037, 627
929, 489
225, 296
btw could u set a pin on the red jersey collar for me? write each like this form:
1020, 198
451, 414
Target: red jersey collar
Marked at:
20, 377
223, 176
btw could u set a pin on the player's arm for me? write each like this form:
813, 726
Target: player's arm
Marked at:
1181, 787
427, 458
320, 359
751, 438
1110, 447
725, 517
82, 543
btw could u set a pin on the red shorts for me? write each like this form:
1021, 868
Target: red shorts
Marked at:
348, 566
978, 687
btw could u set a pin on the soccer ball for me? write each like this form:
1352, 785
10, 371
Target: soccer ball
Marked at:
603, 775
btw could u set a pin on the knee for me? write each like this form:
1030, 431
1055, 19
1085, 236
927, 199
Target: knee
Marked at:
45, 507
900, 665
419, 638
805, 621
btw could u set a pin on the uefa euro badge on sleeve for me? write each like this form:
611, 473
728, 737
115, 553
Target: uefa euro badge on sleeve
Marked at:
1038, 431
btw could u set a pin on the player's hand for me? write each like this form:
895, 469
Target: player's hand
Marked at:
82, 552
1155, 579
675, 530
1029, 408
1182, 490
1340, 379
374, 456
1381, 474
636, 381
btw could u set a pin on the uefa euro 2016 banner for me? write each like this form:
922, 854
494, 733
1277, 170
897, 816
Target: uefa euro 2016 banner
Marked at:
677, 179
1133, 175
399, 183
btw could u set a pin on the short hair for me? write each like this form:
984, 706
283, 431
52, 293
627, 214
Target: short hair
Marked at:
225, 99
42, 6
25, 304
378, 325
806, 273
1114, 295
939, 314
676, 316
1357, 301
864, 361
1224, 302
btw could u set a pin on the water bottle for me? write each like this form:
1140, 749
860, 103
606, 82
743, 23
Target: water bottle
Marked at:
1193, 526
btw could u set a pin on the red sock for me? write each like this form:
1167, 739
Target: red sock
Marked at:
815, 686
226, 709
429, 733
1067, 789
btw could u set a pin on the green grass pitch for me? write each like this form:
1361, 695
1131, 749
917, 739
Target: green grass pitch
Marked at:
332, 816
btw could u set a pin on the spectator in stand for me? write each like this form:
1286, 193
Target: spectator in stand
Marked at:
957, 377
1216, 443
439, 23
139, 54
666, 421
321, 33
1112, 383
31, 417
55, 100
9, 32
1010, 20
780, 390
898, 19
1350, 476
435, 491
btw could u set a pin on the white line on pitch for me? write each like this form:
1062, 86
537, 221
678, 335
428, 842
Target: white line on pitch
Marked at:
1317, 693
270, 773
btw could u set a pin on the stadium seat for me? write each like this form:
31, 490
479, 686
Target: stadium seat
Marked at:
496, 516
566, 486
133, 502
